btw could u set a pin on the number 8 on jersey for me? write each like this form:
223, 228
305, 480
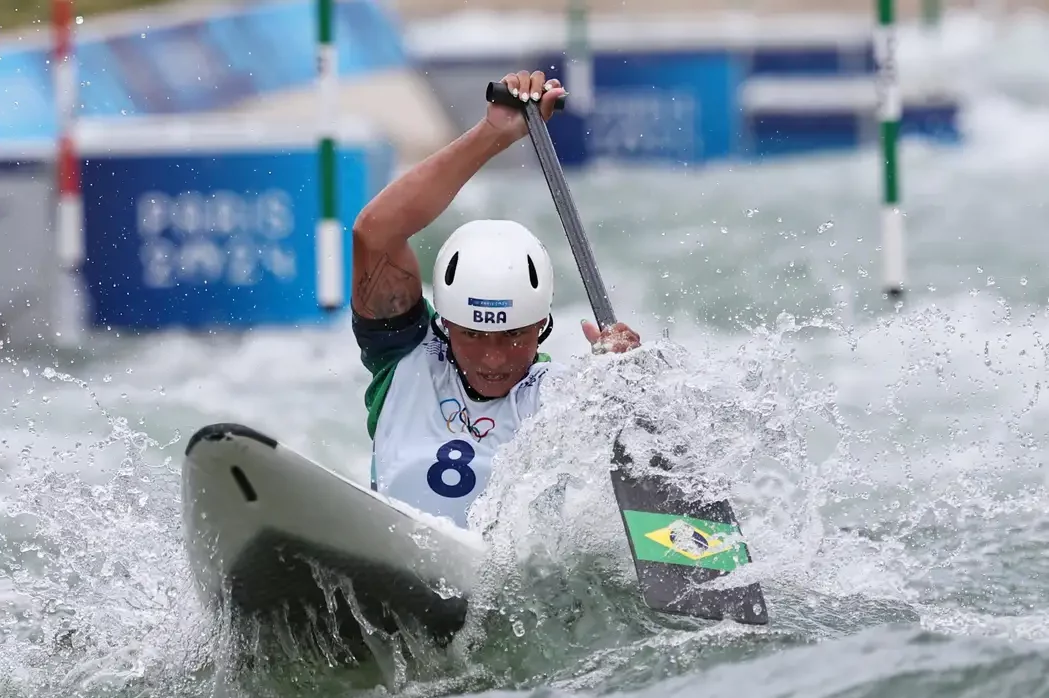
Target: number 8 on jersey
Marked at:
463, 453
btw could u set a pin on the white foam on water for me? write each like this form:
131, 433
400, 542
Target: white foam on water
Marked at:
98, 597
852, 516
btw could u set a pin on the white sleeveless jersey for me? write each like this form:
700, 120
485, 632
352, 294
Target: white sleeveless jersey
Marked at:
433, 445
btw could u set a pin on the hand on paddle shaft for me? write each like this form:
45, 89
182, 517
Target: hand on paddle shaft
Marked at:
617, 339
535, 87
527, 87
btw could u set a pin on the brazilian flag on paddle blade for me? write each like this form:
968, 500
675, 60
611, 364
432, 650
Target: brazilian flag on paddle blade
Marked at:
678, 544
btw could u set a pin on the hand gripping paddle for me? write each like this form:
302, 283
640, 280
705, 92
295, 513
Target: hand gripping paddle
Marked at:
677, 543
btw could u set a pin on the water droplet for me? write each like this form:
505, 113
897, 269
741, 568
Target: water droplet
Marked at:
518, 627
824, 227
25, 372
1023, 280
107, 378
750, 212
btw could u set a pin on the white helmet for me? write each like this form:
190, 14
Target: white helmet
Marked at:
493, 275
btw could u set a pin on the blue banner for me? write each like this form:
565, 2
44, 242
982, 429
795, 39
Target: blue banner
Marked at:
679, 106
206, 64
689, 105
213, 239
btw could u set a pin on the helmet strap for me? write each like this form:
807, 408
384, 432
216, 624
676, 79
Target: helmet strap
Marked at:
439, 330
548, 329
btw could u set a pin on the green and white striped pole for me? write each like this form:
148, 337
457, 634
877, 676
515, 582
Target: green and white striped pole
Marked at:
890, 109
329, 232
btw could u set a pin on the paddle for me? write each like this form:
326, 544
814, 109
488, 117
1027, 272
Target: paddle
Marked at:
555, 180
677, 543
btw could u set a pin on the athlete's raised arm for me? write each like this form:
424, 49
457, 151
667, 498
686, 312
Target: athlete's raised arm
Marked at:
386, 277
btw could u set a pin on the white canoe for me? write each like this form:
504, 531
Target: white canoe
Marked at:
261, 520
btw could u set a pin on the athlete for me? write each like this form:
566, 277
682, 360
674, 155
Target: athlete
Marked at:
454, 380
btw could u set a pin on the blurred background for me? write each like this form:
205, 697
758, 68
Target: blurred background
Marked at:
132, 132
159, 271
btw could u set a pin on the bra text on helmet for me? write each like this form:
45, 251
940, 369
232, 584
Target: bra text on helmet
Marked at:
490, 317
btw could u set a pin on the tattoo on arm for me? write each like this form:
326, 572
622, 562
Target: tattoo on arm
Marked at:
386, 290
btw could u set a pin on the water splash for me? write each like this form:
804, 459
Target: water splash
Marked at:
558, 577
97, 598
766, 425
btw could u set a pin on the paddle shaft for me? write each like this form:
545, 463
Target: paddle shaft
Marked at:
562, 195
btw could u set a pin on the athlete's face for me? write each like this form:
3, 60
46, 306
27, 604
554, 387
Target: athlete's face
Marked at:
494, 362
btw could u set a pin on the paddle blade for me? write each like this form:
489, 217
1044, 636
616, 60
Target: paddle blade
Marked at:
678, 545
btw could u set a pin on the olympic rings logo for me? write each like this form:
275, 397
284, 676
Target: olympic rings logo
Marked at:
454, 412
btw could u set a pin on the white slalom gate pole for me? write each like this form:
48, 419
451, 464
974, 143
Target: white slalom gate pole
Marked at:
890, 109
579, 66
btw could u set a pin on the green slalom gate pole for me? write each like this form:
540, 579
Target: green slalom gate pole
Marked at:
329, 232
890, 108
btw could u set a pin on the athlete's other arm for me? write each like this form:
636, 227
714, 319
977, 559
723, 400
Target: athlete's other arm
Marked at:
386, 277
